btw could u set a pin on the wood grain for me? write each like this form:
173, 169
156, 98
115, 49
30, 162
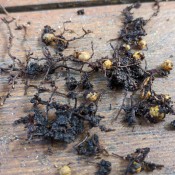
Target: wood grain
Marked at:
18, 157
25, 6
8, 3
28, 2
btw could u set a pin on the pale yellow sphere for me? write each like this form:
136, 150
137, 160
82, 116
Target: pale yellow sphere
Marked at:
48, 37
92, 96
167, 65
167, 97
154, 112
65, 170
82, 56
142, 44
138, 56
127, 46
107, 64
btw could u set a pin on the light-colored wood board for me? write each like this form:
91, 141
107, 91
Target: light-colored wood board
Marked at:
18, 158
28, 2
8, 3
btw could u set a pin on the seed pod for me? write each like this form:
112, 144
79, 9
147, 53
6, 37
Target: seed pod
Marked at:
65, 170
82, 56
142, 44
154, 112
167, 65
49, 38
107, 64
92, 96
138, 56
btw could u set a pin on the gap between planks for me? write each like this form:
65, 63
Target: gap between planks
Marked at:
46, 5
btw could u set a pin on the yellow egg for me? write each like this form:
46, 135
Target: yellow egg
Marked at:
127, 46
154, 112
107, 64
167, 65
48, 37
82, 56
167, 97
138, 56
65, 170
142, 44
92, 96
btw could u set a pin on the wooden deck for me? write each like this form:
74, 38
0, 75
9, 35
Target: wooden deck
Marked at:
20, 158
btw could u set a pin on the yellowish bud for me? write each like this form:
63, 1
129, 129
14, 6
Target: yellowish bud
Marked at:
48, 38
82, 56
107, 64
167, 97
138, 56
65, 170
154, 112
92, 96
127, 46
167, 65
142, 44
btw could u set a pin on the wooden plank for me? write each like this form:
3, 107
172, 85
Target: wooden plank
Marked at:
8, 3
29, 2
18, 158
24, 6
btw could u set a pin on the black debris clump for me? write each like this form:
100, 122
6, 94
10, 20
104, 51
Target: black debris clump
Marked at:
137, 163
89, 147
104, 168
80, 12
66, 123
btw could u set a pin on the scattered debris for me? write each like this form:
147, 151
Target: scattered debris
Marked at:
104, 168
137, 162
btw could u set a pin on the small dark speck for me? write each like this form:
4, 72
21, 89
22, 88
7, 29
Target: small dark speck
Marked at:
167, 19
80, 12
110, 107
100, 38
171, 56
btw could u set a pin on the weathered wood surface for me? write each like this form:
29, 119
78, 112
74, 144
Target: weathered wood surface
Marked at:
37, 5
28, 2
8, 3
19, 158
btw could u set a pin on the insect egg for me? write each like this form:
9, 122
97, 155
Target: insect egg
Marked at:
167, 65
138, 56
48, 38
92, 96
82, 56
107, 64
65, 170
142, 44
